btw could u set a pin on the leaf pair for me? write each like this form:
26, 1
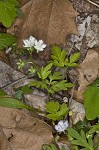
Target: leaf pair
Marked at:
56, 111
80, 139
59, 58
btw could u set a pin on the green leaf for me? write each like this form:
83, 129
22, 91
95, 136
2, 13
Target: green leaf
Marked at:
54, 116
95, 83
56, 51
91, 102
94, 129
45, 71
6, 40
61, 85
58, 56
19, 13
63, 109
2, 93
19, 94
63, 148
90, 141
38, 84
63, 55
56, 111
81, 125
72, 64
8, 12
79, 139
52, 107
52, 147
74, 57
57, 86
35, 83
14, 2
11, 102
49, 147
26, 89
55, 76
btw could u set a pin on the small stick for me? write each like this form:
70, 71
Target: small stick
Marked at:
17, 81
93, 3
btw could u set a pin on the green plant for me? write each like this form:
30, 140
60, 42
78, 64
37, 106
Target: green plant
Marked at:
91, 100
81, 140
52, 147
52, 82
22, 90
6, 40
13, 103
56, 111
95, 128
48, 79
60, 59
8, 11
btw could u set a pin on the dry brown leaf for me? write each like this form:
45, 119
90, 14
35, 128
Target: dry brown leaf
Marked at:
23, 2
49, 20
88, 71
4, 144
3, 57
23, 131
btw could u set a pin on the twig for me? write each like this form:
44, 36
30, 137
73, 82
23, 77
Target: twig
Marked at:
72, 94
15, 82
71, 47
93, 3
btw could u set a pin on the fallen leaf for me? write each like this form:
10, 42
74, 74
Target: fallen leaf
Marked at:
3, 57
23, 2
4, 144
49, 20
88, 71
78, 112
23, 131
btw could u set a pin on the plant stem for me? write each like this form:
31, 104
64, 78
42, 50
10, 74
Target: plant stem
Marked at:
48, 96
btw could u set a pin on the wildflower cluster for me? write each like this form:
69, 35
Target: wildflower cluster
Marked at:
32, 44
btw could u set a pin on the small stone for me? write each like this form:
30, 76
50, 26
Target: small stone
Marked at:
78, 111
37, 100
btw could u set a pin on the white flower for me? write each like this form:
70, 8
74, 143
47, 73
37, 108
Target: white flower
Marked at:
29, 42
61, 126
39, 45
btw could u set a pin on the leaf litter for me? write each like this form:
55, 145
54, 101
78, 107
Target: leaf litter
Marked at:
17, 127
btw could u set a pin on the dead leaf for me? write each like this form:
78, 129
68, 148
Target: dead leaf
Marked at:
78, 112
88, 71
4, 58
4, 144
49, 20
23, 2
23, 131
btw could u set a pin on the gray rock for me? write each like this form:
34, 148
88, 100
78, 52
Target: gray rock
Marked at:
37, 100
8, 75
